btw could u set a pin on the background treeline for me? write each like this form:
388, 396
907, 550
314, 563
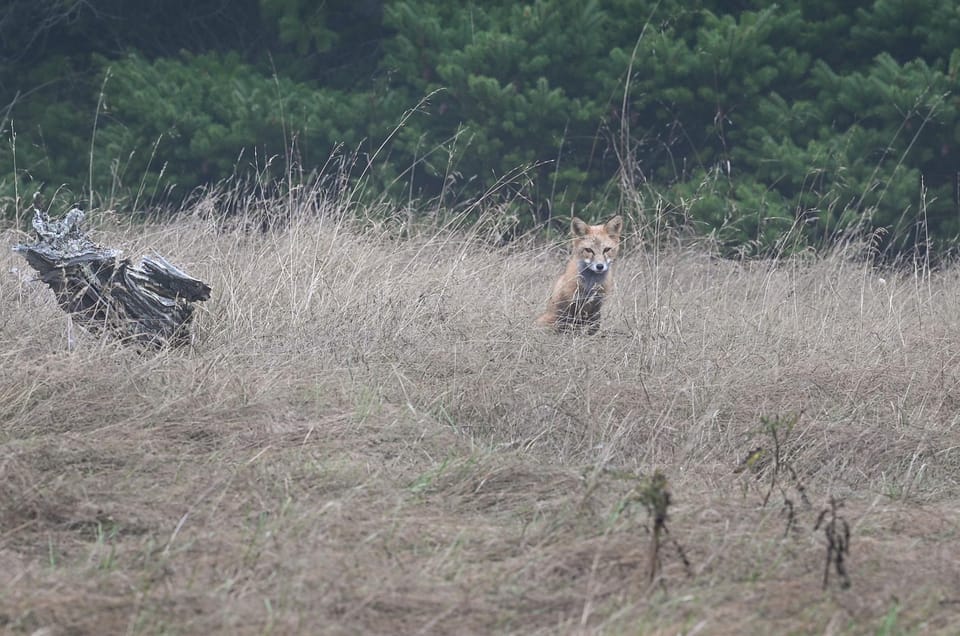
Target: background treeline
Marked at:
749, 120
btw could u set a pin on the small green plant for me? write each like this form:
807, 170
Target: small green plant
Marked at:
889, 625
368, 402
105, 541
773, 460
837, 532
653, 494
427, 480
51, 553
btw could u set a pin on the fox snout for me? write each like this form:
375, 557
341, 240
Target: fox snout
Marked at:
598, 267
595, 265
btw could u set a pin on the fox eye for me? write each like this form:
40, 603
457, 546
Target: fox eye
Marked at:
588, 251
606, 249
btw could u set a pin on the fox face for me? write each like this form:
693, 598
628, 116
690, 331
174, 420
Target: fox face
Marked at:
596, 246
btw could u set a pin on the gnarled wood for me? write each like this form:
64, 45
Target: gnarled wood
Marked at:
150, 303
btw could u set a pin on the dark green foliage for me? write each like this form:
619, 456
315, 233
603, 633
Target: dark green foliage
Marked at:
521, 88
207, 117
768, 126
762, 136
50, 80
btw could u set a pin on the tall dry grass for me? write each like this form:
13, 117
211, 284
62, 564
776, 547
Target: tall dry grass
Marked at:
370, 436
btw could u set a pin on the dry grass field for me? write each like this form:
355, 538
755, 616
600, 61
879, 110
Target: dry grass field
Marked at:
370, 437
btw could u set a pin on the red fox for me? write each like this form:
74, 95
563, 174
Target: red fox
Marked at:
579, 293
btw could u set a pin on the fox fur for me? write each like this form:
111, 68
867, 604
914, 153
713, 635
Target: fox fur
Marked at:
579, 293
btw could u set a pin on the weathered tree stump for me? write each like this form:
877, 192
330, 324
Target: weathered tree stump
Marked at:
147, 304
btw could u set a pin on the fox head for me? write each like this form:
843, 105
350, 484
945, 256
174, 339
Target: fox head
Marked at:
595, 246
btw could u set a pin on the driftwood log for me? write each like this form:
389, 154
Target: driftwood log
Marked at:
149, 304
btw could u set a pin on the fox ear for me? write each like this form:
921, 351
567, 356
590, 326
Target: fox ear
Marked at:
614, 226
579, 227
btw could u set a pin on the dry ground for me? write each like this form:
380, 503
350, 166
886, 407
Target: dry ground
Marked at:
369, 436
